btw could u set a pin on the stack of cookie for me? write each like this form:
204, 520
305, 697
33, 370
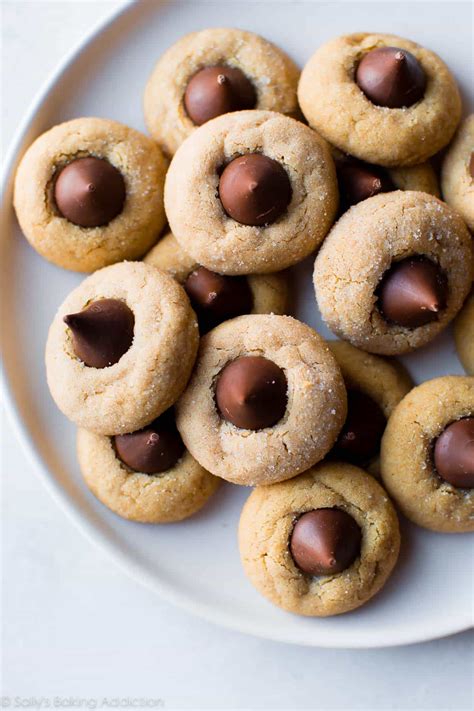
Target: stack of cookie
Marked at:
182, 369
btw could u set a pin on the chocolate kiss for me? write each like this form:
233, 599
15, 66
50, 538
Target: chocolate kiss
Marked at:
391, 77
359, 439
217, 90
412, 292
102, 332
251, 392
216, 298
358, 180
454, 453
152, 450
325, 541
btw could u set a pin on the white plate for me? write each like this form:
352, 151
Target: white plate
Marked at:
196, 564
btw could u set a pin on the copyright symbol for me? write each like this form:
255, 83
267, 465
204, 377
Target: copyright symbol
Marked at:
5, 702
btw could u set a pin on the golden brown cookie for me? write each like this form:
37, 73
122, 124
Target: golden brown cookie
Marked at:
251, 192
215, 297
457, 174
375, 386
464, 335
393, 272
266, 400
173, 487
362, 101
127, 350
89, 193
321, 544
211, 72
426, 463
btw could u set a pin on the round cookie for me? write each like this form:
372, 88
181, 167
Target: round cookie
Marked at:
162, 497
264, 293
106, 176
464, 335
148, 372
268, 75
275, 170
304, 408
393, 272
358, 180
375, 386
333, 102
457, 173
409, 448
267, 540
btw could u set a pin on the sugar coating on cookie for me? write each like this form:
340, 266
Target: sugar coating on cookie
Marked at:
457, 173
75, 147
172, 495
464, 335
272, 75
195, 211
269, 292
373, 238
407, 455
382, 383
315, 407
268, 520
149, 376
334, 104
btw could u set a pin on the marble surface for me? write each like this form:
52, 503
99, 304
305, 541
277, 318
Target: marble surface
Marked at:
77, 632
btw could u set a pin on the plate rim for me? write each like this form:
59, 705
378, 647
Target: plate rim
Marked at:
90, 531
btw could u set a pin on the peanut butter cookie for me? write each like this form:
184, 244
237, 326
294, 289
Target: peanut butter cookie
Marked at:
321, 544
89, 193
251, 192
121, 348
266, 400
380, 98
211, 72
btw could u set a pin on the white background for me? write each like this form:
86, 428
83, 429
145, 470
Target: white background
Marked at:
76, 628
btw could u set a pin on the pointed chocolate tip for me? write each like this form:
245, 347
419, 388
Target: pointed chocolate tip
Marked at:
102, 332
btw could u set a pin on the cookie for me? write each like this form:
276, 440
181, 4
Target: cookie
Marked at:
211, 72
121, 348
393, 272
457, 173
251, 192
89, 193
374, 386
145, 476
427, 454
380, 98
266, 400
464, 335
358, 181
321, 544
215, 297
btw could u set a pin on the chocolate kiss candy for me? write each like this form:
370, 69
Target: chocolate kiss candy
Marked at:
392, 77
153, 449
359, 181
102, 332
251, 393
325, 541
89, 192
360, 436
218, 90
254, 189
412, 292
216, 298
454, 454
